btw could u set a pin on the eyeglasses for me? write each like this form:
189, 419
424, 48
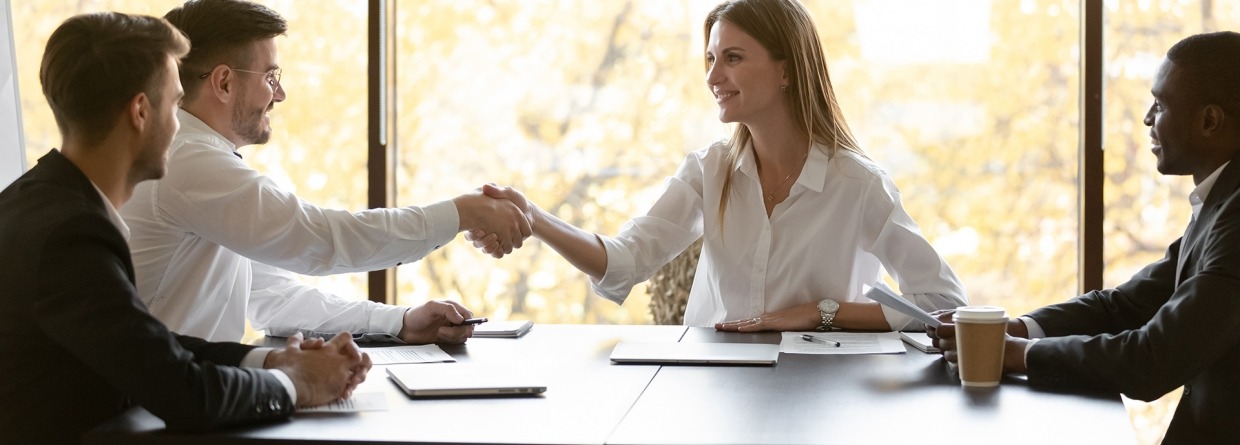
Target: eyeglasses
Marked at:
273, 76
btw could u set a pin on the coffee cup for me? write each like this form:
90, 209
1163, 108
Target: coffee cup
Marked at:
980, 333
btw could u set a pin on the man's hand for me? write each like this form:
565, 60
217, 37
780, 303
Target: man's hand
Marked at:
436, 322
490, 243
322, 371
944, 337
501, 218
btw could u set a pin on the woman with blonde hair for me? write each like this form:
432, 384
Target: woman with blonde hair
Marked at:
796, 218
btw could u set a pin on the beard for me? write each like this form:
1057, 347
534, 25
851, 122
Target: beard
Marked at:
248, 123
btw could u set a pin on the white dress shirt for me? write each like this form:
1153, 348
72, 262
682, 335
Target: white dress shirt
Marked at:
841, 223
253, 359
207, 235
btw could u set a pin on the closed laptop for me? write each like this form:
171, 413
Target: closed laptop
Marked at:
457, 379
696, 353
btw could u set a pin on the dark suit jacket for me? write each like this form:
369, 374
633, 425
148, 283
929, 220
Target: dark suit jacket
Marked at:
77, 346
1153, 334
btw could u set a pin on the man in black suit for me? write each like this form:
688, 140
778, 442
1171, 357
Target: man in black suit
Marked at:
78, 346
1177, 321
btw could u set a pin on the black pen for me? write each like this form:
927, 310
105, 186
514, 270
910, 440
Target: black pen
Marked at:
469, 321
811, 338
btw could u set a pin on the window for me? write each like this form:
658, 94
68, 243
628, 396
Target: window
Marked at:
588, 116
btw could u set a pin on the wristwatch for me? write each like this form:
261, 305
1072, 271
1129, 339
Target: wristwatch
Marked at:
827, 309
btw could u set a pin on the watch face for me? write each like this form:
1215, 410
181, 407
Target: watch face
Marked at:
828, 306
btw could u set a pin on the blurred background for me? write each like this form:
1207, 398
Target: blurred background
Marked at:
588, 106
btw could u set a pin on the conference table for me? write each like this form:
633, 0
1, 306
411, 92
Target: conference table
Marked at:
804, 399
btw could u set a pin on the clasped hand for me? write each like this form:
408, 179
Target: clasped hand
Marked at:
321, 371
499, 243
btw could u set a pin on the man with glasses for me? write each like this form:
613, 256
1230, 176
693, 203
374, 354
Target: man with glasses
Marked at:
214, 241
78, 346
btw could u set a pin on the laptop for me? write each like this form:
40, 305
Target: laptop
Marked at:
696, 353
457, 379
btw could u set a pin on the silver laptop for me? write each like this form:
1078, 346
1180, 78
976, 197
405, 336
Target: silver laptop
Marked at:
457, 379
696, 353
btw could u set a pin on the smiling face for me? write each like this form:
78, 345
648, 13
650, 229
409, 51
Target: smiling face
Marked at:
743, 77
1174, 120
256, 96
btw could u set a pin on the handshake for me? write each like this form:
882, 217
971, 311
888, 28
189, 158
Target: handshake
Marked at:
496, 219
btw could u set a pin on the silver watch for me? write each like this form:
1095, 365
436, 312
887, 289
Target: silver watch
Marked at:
827, 309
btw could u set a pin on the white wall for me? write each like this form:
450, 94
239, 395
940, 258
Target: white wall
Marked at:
12, 149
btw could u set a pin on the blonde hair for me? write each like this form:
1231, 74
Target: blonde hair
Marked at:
784, 28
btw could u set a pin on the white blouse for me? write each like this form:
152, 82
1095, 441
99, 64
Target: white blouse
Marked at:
841, 222
206, 237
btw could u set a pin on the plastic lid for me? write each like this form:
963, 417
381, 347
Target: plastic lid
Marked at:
979, 313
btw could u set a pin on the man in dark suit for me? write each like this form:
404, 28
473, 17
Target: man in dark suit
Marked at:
1177, 321
78, 346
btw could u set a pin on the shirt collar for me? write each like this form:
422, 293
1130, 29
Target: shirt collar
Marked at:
112, 213
191, 124
1198, 196
813, 174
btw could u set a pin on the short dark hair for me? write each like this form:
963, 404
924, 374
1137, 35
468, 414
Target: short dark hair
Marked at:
220, 30
1211, 64
94, 64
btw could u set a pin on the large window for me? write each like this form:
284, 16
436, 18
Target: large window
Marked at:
976, 121
587, 106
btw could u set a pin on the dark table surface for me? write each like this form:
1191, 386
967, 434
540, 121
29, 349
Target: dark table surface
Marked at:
866, 399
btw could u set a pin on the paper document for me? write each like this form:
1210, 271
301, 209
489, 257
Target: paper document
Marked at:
365, 401
849, 343
408, 354
883, 295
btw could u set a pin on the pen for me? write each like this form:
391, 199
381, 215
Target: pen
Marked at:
824, 341
469, 321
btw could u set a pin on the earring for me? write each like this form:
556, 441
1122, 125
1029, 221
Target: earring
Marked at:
783, 88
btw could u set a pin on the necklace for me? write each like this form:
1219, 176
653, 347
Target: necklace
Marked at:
771, 196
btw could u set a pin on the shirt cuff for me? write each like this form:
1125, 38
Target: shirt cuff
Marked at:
1029, 346
387, 319
442, 221
287, 382
1031, 325
256, 358
617, 280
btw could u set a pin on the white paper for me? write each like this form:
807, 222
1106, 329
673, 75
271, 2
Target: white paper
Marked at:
883, 295
408, 354
366, 401
850, 343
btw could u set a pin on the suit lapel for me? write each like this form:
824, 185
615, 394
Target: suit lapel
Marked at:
1223, 189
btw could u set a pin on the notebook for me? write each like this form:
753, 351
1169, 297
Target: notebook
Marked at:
696, 353
454, 379
503, 329
919, 340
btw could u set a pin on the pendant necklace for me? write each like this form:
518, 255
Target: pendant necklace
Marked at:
771, 196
